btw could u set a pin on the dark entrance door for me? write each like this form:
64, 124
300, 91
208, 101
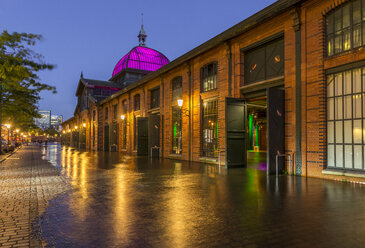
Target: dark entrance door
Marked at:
114, 137
142, 136
236, 142
154, 135
275, 119
106, 138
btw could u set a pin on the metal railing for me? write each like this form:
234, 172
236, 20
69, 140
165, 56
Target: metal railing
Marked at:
277, 161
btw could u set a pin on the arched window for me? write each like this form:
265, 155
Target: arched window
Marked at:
344, 26
176, 85
137, 102
209, 77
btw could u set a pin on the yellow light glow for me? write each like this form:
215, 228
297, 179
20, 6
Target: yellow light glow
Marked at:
180, 102
64, 132
69, 130
8, 125
75, 127
22, 134
84, 124
17, 130
122, 117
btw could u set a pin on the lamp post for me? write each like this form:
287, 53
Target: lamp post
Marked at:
8, 127
180, 103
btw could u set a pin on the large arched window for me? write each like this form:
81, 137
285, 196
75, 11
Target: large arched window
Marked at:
209, 77
137, 102
344, 27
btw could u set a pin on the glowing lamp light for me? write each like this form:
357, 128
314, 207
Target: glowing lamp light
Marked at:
64, 132
22, 134
122, 117
180, 102
75, 127
8, 125
84, 124
17, 130
69, 130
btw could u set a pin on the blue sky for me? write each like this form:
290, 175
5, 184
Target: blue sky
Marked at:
91, 36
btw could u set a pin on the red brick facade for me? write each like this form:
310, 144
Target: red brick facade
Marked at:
306, 16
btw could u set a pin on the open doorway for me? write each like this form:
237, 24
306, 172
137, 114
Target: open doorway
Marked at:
257, 133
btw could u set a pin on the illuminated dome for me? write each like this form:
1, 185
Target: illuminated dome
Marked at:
141, 58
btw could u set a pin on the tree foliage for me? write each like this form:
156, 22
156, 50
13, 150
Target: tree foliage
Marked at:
20, 84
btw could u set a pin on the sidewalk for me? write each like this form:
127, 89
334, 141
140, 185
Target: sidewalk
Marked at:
27, 183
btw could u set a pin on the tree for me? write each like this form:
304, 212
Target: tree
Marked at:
20, 85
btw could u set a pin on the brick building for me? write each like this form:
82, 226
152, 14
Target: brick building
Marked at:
287, 79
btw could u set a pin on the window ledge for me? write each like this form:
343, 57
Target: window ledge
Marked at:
345, 173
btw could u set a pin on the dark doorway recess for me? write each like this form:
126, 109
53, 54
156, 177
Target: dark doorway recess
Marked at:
142, 136
154, 135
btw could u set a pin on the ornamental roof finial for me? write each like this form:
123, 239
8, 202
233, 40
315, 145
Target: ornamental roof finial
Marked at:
142, 35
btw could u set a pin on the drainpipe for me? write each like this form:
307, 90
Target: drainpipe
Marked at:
229, 57
295, 13
190, 112
162, 116
129, 123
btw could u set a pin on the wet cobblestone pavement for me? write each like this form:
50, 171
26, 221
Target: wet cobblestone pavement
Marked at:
110, 200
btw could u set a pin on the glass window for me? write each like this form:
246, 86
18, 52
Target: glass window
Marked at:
176, 88
264, 62
176, 130
345, 120
124, 107
210, 129
155, 98
137, 102
346, 27
209, 77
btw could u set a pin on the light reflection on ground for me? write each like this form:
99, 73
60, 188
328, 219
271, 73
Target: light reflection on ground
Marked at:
121, 201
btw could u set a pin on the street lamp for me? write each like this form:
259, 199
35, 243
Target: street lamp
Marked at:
75, 127
122, 117
186, 112
84, 124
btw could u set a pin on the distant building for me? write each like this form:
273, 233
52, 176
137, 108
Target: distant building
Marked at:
56, 121
45, 121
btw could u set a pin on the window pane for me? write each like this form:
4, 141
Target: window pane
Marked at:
339, 130
330, 109
338, 84
347, 83
331, 156
330, 132
330, 23
348, 156
358, 157
357, 35
357, 132
363, 10
347, 107
346, 16
330, 43
356, 106
356, 12
338, 42
346, 39
356, 81
339, 156
338, 20
338, 108
348, 131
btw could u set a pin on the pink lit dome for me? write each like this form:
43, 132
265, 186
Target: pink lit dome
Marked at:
141, 58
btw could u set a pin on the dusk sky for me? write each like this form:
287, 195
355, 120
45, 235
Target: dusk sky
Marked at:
91, 36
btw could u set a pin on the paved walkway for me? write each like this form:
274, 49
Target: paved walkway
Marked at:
27, 183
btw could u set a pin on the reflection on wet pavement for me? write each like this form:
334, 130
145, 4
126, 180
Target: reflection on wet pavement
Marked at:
121, 201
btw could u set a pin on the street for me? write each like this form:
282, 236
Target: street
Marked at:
60, 197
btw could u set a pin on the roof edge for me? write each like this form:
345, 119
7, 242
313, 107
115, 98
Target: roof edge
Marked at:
270, 11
